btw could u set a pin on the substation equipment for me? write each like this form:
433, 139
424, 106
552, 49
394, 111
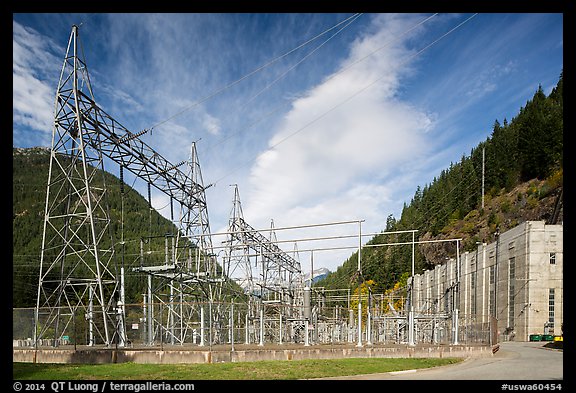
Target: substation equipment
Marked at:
248, 290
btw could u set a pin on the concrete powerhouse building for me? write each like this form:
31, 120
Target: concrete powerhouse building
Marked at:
518, 279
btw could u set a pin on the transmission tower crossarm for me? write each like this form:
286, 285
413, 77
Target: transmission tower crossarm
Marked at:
268, 248
116, 142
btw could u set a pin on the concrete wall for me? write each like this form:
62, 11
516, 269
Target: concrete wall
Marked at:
94, 356
544, 276
510, 279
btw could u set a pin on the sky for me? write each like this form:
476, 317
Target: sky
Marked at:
317, 118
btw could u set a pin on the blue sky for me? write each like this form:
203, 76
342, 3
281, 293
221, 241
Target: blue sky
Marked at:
316, 117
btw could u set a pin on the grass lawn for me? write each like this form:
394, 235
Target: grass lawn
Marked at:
262, 370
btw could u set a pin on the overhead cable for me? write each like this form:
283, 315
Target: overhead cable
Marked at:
349, 98
329, 78
218, 91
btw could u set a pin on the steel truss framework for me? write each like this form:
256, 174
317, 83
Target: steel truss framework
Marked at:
267, 274
77, 269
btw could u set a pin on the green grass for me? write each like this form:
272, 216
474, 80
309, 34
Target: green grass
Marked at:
262, 370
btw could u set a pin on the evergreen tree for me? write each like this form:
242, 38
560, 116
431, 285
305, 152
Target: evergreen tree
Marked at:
527, 147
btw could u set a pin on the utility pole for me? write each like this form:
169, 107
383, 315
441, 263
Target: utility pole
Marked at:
359, 271
411, 311
457, 295
483, 153
497, 234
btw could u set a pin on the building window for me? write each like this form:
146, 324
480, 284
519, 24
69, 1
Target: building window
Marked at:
551, 309
552, 258
492, 293
511, 289
473, 287
491, 304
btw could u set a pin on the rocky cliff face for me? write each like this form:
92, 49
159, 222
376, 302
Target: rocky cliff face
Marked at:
536, 200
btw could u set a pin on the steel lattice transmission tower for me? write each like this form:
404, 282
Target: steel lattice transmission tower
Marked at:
269, 276
77, 273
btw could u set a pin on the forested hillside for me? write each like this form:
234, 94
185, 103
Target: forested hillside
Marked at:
523, 178
29, 177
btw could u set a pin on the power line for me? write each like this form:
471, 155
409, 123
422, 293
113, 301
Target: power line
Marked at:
349, 98
222, 89
276, 109
301, 60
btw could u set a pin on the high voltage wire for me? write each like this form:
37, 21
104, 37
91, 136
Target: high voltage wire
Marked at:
475, 179
328, 79
366, 87
379, 48
349, 98
300, 61
218, 91
348, 21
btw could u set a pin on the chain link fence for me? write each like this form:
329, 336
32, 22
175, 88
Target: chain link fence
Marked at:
203, 323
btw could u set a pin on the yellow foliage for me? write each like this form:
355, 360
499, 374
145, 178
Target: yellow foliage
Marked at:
361, 293
395, 297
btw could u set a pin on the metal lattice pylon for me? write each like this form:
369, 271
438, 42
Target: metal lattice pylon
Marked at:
267, 274
272, 270
192, 269
195, 225
77, 274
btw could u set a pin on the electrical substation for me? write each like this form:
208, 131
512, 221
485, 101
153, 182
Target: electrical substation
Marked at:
244, 290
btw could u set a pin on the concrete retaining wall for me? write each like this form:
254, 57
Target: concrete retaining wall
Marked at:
93, 356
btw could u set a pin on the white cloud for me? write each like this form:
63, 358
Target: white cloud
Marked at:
31, 104
211, 124
33, 93
328, 162
487, 80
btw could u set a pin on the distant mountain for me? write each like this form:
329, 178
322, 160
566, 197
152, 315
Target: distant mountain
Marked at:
318, 275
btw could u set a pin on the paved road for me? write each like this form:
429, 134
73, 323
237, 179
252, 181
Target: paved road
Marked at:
514, 361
